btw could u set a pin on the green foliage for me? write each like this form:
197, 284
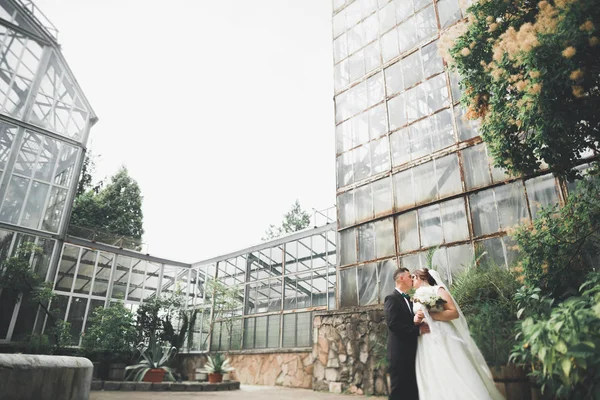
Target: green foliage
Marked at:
111, 333
294, 220
116, 208
153, 355
530, 73
560, 248
562, 344
484, 294
37, 344
61, 332
16, 272
225, 300
217, 364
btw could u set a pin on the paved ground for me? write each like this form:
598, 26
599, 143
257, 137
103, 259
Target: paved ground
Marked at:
245, 393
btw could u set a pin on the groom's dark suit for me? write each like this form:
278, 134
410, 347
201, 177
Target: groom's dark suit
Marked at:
401, 347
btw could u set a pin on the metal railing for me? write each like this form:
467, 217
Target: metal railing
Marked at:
39, 17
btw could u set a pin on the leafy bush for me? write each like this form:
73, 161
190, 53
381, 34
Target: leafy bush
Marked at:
530, 74
111, 333
562, 344
562, 245
484, 294
217, 364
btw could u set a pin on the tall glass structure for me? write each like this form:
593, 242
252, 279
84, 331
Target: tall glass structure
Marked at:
45, 121
412, 174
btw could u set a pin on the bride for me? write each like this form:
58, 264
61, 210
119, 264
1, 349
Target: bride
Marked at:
449, 365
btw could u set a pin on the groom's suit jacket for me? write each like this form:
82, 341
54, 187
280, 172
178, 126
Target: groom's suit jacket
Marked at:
402, 332
402, 347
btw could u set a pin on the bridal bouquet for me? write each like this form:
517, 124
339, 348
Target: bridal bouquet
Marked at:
429, 299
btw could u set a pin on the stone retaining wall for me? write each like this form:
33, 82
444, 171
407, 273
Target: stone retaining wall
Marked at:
290, 369
346, 351
25, 377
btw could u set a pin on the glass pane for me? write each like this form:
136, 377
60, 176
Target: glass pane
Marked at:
459, 258
105, 261
348, 288
483, 210
85, 273
273, 333
386, 277
76, 315
430, 224
66, 269
367, 284
454, 220
541, 192
448, 176
512, 209
366, 242
384, 238
404, 193
304, 327
476, 166
408, 235
289, 330
261, 333
347, 247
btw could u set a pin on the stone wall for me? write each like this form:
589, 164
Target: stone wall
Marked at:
347, 346
290, 369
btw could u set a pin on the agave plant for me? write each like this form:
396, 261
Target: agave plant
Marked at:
153, 355
217, 365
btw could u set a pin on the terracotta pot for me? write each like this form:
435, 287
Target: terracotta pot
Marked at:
215, 378
154, 375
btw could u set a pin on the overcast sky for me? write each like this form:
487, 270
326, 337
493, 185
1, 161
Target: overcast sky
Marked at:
221, 110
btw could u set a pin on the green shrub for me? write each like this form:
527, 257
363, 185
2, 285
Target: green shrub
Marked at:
484, 293
111, 333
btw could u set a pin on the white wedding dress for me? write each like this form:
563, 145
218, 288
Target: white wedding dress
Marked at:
449, 365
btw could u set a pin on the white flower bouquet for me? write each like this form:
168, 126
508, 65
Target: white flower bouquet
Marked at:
431, 300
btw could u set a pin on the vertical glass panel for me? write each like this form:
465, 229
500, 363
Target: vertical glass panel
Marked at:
249, 333
448, 176
102, 275
449, 12
541, 192
363, 203
319, 288
304, 327
389, 45
394, 78
382, 196
367, 284
362, 163
66, 269
404, 193
8, 299
384, 238
467, 129
401, 148
13, 200
377, 121
483, 210
289, 330
412, 69
454, 220
347, 247
407, 231
397, 111
476, 166
122, 273
34, 208
430, 224
273, 331
386, 277
459, 258
380, 155
495, 251
366, 242
426, 190
261, 333
85, 273
55, 209
512, 209
432, 61
348, 288
442, 131
75, 318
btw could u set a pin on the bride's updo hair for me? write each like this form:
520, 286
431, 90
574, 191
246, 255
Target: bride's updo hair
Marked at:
424, 275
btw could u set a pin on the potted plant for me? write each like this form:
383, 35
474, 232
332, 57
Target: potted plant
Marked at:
153, 364
215, 367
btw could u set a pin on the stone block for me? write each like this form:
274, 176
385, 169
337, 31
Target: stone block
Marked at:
332, 374
235, 385
335, 387
127, 386
143, 386
97, 385
195, 387
112, 385
179, 387
161, 386
320, 386
210, 387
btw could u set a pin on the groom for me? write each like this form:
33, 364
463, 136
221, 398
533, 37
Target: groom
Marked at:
403, 329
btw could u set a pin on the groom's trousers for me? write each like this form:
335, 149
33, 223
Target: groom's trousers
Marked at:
403, 382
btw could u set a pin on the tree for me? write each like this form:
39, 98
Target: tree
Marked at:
116, 208
530, 73
86, 179
293, 221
